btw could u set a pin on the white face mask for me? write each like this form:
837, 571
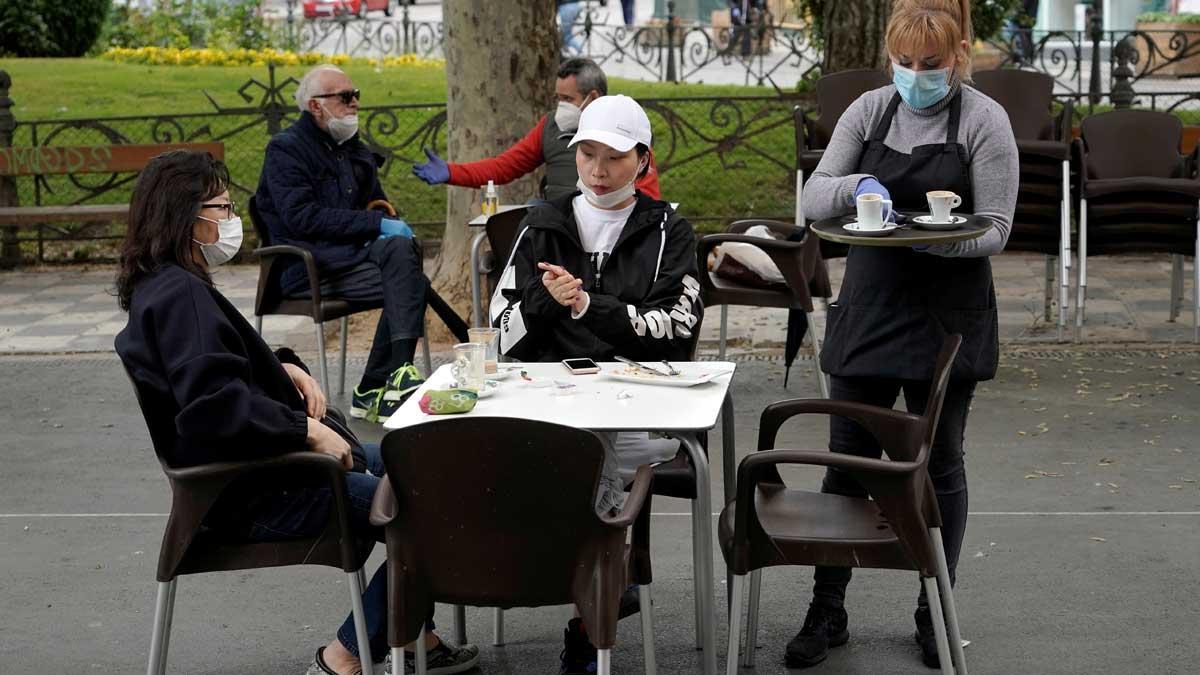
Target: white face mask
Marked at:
228, 243
341, 128
608, 200
567, 116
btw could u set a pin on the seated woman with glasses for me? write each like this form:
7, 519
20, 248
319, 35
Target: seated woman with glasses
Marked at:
603, 272
234, 397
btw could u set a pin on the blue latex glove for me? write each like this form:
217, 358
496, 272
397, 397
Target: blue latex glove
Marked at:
869, 185
389, 227
433, 172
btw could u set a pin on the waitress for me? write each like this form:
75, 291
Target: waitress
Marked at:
926, 131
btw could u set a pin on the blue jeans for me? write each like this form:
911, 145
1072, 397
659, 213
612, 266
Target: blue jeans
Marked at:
304, 512
392, 274
567, 14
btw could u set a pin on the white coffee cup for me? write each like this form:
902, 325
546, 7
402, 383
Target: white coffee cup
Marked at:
941, 202
871, 211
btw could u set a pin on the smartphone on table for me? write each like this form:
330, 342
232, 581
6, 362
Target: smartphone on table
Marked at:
581, 366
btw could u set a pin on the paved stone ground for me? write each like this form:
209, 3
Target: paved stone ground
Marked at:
67, 309
1079, 558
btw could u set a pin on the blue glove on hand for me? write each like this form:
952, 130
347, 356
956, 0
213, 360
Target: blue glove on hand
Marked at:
868, 186
433, 172
389, 227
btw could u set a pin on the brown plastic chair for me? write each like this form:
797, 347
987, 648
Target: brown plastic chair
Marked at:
190, 547
524, 524
271, 300
1137, 194
835, 93
500, 232
799, 262
899, 527
1042, 220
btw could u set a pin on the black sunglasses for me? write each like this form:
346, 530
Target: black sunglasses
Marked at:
346, 96
228, 206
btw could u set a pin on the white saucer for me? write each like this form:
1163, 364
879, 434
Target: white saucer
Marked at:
855, 228
489, 388
928, 223
504, 371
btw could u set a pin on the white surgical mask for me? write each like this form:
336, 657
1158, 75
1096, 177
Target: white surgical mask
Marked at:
609, 200
567, 116
229, 241
342, 128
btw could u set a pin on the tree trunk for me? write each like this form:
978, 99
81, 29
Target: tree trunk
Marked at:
854, 34
501, 58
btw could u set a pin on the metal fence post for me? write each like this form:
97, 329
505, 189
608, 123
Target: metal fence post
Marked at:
1122, 90
1096, 30
273, 111
10, 247
671, 77
587, 28
406, 25
291, 24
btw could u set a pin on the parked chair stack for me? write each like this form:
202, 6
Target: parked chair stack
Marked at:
1138, 194
1042, 221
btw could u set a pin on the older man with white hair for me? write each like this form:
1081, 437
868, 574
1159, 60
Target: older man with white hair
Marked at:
316, 181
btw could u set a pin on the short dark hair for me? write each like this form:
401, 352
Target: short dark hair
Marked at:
166, 202
588, 76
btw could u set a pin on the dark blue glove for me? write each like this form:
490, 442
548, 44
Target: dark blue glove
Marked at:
389, 227
868, 186
433, 172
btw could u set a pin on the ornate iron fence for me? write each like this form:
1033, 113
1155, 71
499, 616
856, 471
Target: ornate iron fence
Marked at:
721, 157
761, 52
1102, 63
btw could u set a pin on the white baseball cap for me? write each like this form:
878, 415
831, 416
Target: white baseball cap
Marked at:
616, 121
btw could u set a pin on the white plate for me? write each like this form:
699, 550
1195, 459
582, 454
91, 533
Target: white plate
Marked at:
928, 223
855, 228
503, 372
688, 378
489, 388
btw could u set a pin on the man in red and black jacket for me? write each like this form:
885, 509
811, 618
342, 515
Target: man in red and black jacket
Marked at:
580, 81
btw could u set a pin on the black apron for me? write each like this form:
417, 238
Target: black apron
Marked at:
896, 305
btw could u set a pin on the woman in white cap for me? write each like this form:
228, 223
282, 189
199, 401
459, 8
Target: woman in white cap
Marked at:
604, 272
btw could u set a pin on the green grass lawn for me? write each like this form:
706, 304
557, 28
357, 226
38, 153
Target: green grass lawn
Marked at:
45, 89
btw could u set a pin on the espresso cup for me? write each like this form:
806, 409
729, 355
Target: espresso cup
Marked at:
941, 202
467, 369
871, 213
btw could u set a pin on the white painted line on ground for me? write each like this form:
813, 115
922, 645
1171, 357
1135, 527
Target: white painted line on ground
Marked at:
1016, 514
1031, 513
84, 515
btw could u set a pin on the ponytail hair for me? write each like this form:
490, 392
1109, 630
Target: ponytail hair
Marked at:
944, 23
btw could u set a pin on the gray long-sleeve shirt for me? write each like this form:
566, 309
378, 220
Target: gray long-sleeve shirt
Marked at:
983, 130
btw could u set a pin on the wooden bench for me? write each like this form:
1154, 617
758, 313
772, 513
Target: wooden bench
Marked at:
50, 160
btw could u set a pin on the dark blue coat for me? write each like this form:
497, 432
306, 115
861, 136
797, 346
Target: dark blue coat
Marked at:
312, 193
215, 386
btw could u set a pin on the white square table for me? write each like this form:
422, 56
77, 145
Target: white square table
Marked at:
600, 403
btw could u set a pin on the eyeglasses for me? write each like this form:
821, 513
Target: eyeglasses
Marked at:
346, 96
229, 207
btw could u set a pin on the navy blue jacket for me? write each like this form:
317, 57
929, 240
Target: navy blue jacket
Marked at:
206, 375
312, 193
